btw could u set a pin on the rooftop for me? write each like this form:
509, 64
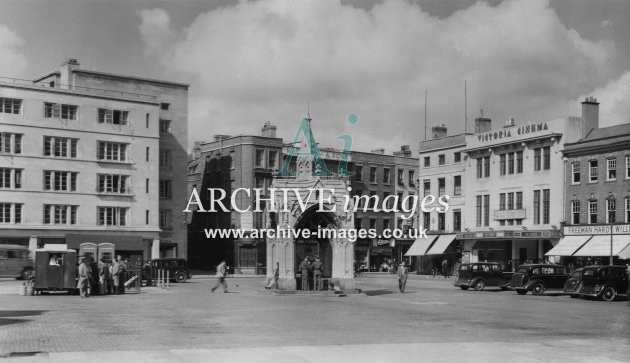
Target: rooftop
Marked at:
604, 138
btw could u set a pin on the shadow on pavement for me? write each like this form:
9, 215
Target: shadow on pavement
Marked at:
377, 292
8, 317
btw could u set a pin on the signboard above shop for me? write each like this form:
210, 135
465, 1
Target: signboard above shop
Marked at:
596, 229
509, 214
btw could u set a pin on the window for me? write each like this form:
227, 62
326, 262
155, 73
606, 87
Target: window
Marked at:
611, 169
502, 201
457, 220
575, 212
592, 211
146, 185
10, 213
412, 182
426, 187
111, 151
165, 106
165, 219
10, 105
479, 210
486, 210
165, 189
373, 175
385, 223
441, 186
114, 117
611, 210
486, 166
359, 172
592, 171
273, 159
113, 183
427, 161
372, 200
519, 200
627, 210
536, 206
546, 206
165, 159
10, 143
457, 185
385, 175
147, 123
386, 205
60, 214
112, 216
358, 223
511, 163
426, 220
627, 167
401, 176
60, 181
372, 223
502, 168
147, 214
457, 157
56, 110
260, 158
410, 201
441, 159
510, 202
165, 126
60, 147
479, 168
400, 201
575, 172
519, 162
10, 178
546, 157
441, 221
537, 153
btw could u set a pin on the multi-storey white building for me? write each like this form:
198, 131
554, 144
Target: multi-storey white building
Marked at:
82, 164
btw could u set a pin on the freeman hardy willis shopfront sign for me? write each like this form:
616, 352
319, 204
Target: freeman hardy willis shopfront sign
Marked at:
597, 229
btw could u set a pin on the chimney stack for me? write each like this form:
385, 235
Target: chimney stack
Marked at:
590, 115
405, 150
268, 130
509, 122
482, 124
439, 131
221, 137
378, 151
65, 74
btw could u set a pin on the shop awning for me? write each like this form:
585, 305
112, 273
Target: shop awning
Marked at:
420, 246
568, 245
600, 246
442, 243
625, 254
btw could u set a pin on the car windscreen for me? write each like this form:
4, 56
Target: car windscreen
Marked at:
522, 270
589, 272
576, 274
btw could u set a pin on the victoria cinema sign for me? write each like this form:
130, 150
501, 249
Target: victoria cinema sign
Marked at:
512, 131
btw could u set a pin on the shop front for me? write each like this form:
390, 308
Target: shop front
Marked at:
383, 255
593, 244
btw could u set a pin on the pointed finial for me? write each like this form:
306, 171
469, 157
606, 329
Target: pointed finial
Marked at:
481, 111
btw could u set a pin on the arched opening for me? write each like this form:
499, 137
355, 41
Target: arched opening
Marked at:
315, 246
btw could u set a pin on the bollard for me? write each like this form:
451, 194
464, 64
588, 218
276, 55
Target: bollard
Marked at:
23, 289
168, 279
160, 278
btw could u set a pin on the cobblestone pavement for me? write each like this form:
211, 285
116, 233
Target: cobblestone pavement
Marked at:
189, 321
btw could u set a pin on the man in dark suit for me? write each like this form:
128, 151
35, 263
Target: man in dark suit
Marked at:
305, 267
318, 269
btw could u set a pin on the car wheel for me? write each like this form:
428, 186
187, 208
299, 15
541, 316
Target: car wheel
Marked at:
575, 296
479, 285
609, 294
464, 287
27, 273
538, 289
180, 277
504, 288
521, 292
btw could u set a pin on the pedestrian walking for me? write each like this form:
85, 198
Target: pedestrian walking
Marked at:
103, 275
403, 271
445, 268
221, 275
305, 268
318, 269
273, 281
84, 278
116, 272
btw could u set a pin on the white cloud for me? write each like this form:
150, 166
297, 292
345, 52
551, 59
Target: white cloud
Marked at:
155, 30
264, 60
12, 60
614, 107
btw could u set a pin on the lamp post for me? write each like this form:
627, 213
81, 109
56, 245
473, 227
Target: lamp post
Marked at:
611, 220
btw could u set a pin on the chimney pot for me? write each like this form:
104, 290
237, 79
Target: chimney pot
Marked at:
590, 115
439, 131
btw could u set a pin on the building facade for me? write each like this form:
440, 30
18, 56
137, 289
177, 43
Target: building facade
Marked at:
80, 164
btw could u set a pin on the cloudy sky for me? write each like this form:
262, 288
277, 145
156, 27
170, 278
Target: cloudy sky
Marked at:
252, 61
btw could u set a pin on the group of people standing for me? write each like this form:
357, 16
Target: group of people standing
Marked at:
316, 269
102, 278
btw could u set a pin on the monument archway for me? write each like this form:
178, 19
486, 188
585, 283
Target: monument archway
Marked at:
318, 245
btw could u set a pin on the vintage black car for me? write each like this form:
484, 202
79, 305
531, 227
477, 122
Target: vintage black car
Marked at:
478, 275
538, 278
177, 269
606, 282
574, 283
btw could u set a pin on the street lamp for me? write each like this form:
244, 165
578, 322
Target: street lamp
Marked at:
611, 220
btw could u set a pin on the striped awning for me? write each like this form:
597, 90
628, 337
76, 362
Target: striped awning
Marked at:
568, 245
420, 246
441, 244
600, 246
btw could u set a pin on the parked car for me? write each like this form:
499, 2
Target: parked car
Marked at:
16, 262
177, 269
538, 278
478, 275
606, 282
574, 283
